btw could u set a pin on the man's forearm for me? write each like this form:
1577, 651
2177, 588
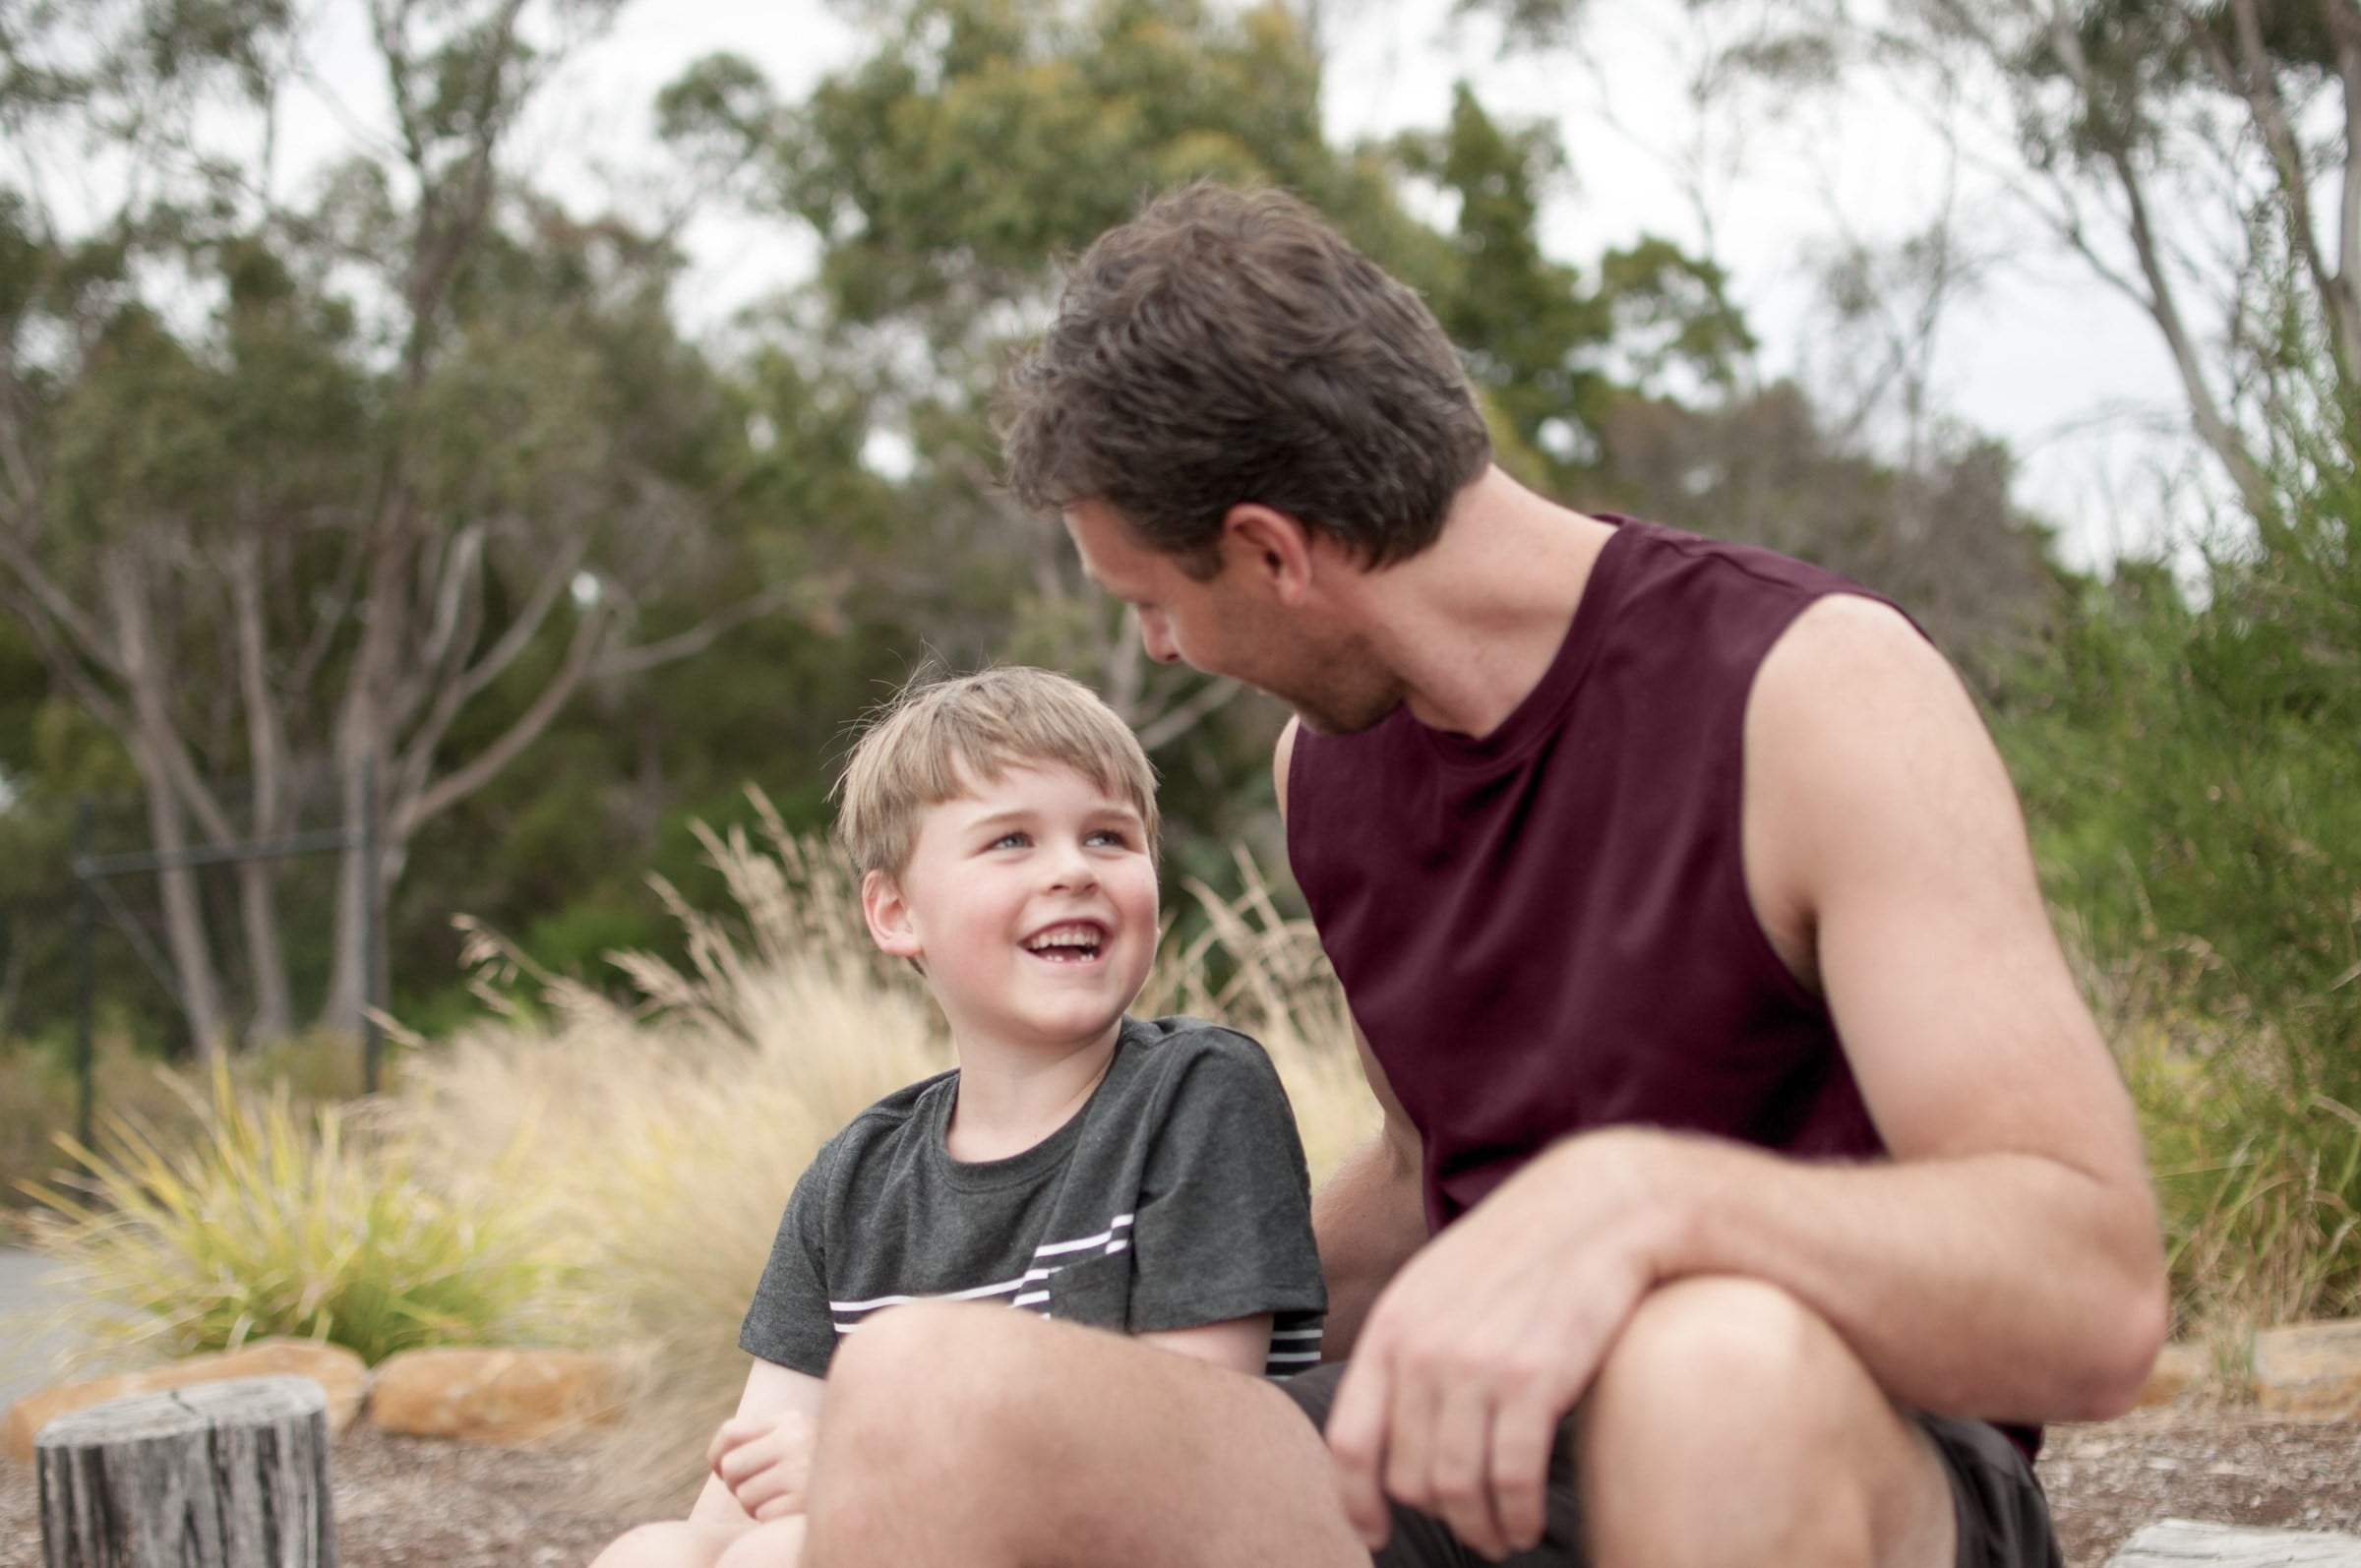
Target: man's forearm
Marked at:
1368, 1219
1999, 1286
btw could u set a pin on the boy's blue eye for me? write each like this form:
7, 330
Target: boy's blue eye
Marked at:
1009, 841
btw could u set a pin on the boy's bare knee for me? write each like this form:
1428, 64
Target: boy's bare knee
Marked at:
675, 1543
938, 1356
776, 1544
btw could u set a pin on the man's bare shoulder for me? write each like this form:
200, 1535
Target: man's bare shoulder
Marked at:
1858, 722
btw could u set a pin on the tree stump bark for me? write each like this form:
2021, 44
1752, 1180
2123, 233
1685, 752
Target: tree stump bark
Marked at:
213, 1475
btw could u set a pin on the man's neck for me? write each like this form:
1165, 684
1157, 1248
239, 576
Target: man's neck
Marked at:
1471, 622
1011, 1098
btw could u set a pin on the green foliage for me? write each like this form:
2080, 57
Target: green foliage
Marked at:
272, 1222
2190, 768
2257, 1190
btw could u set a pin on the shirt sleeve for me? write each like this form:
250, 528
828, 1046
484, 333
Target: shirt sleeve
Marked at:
1223, 1227
789, 1321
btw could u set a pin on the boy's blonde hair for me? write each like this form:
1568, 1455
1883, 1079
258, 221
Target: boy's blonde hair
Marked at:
941, 733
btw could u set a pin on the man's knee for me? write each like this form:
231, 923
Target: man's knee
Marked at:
1737, 1350
1735, 1393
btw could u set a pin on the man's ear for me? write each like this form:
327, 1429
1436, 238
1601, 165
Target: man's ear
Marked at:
889, 916
1271, 546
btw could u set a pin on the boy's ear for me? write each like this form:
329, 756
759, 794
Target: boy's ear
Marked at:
889, 916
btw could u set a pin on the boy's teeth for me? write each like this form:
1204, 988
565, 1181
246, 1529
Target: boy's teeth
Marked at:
1067, 937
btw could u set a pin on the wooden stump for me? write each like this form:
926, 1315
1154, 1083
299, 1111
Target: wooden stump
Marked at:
213, 1475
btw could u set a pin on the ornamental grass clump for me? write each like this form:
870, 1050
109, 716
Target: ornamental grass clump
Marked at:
264, 1220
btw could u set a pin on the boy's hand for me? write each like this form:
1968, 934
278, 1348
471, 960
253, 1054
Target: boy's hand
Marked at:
765, 1460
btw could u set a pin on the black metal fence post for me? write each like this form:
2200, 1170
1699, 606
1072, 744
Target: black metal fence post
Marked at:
372, 1002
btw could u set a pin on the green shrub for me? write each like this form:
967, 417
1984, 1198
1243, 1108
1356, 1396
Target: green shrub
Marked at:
2190, 761
262, 1220
2256, 1187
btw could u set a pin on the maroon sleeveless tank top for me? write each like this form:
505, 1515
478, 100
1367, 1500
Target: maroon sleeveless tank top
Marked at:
1547, 930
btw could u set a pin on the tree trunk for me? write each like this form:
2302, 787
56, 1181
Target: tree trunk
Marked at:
257, 887
184, 917
267, 958
347, 976
227, 1475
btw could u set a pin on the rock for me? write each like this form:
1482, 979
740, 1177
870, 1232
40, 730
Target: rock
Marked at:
2310, 1370
340, 1374
494, 1396
2178, 1369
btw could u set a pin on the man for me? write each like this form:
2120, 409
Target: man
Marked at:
1748, 1151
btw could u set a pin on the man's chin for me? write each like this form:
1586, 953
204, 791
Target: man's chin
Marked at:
1321, 720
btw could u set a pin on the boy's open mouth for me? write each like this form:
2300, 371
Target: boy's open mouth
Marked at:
1073, 942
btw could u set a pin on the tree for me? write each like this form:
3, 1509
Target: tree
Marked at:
429, 458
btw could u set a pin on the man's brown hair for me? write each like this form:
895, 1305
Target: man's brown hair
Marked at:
1229, 346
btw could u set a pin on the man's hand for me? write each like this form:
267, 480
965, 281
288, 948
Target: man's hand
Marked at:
765, 1461
1491, 1334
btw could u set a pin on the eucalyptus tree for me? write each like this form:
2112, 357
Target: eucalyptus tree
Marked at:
370, 482
972, 143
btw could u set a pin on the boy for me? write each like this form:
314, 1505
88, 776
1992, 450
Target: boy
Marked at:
1078, 1164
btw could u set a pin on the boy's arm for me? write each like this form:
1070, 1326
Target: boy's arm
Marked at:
1243, 1343
771, 1391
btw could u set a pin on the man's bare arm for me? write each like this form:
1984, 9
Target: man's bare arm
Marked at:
2008, 1263
1369, 1217
2005, 1264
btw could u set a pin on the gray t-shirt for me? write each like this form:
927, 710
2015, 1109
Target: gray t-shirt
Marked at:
1175, 1197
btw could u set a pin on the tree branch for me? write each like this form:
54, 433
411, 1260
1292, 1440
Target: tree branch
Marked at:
687, 645
423, 805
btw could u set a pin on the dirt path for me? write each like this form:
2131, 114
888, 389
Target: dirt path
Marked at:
414, 1503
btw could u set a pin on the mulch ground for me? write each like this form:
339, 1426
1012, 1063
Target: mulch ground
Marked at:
407, 1502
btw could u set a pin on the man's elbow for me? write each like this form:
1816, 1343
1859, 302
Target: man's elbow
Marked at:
2127, 1332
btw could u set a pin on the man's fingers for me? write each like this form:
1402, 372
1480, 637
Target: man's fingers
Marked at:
1409, 1438
1357, 1440
1460, 1467
1524, 1429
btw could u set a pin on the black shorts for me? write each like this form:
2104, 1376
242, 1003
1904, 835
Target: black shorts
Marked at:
2003, 1516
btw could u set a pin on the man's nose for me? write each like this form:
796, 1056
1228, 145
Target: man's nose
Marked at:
1156, 636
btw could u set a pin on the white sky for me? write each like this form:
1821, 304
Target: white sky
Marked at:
2069, 373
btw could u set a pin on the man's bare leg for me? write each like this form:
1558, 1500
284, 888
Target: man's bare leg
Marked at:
1731, 1425
992, 1439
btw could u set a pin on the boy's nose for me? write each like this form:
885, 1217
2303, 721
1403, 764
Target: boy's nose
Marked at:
1071, 869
